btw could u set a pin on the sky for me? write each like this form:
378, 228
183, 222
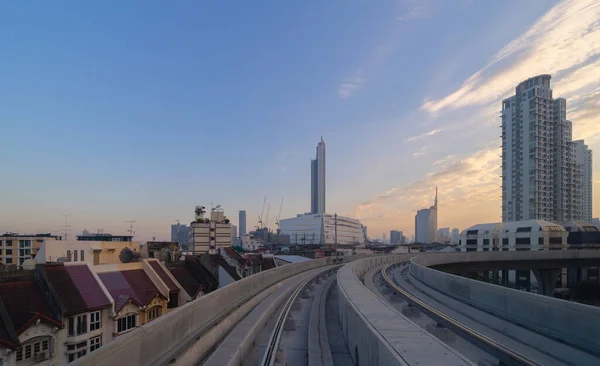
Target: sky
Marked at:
140, 110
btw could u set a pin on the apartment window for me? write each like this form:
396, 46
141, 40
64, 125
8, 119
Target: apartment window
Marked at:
76, 351
9, 251
29, 350
24, 243
153, 313
69, 255
8, 260
504, 241
74, 256
95, 343
81, 256
95, 321
126, 323
9, 243
78, 325
486, 241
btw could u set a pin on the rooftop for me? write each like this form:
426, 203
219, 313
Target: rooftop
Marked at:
133, 285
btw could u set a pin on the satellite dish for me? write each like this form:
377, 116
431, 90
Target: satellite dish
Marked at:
126, 255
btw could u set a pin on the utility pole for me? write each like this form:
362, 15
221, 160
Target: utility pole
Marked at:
130, 231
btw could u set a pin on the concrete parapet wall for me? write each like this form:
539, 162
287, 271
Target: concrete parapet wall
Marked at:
162, 339
574, 323
375, 333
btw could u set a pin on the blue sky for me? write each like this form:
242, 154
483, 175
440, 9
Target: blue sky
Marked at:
141, 110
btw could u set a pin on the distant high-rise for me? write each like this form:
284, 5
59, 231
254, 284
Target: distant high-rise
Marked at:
426, 223
583, 163
541, 179
454, 236
179, 234
242, 223
396, 237
317, 180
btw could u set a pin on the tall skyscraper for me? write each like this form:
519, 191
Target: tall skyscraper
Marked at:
540, 179
242, 223
179, 234
317, 180
426, 223
396, 237
583, 163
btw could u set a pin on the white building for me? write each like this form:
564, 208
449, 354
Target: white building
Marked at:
317, 181
250, 244
322, 229
206, 236
426, 223
539, 174
583, 162
454, 236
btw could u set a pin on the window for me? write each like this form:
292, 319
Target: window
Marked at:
95, 343
8, 251
173, 301
523, 241
9, 243
78, 325
69, 255
95, 321
29, 350
486, 241
76, 351
8, 260
556, 240
74, 256
153, 313
126, 323
24, 243
81, 256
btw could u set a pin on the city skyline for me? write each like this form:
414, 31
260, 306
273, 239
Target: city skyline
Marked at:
109, 108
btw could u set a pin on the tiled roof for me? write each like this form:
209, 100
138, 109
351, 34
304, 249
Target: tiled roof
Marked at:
187, 280
235, 255
254, 259
163, 275
220, 261
268, 263
134, 285
76, 288
23, 303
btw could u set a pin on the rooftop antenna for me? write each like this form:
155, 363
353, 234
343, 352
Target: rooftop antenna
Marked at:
65, 226
130, 231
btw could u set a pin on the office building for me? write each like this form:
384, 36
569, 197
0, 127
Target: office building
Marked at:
16, 248
317, 181
454, 236
322, 229
207, 236
426, 223
540, 177
179, 234
234, 232
242, 223
396, 237
364, 230
583, 164
443, 235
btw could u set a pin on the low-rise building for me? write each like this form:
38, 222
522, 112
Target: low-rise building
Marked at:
16, 248
250, 243
322, 229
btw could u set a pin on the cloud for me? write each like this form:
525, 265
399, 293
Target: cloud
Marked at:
350, 86
426, 134
445, 161
566, 37
420, 152
416, 9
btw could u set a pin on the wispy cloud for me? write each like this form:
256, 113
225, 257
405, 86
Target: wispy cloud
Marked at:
416, 9
420, 152
349, 86
566, 37
423, 135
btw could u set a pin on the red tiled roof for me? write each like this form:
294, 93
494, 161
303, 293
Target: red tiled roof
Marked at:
163, 275
187, 280
76, 288
24, 303
235, 255
134, 285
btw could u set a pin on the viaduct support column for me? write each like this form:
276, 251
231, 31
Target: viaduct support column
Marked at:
546, 278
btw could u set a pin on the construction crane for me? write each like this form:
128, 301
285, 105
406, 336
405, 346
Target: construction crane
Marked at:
261, 213
267, 219
278, 216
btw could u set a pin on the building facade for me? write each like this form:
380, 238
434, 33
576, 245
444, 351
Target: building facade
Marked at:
426, 223
16, 248
583, 163
242, 223
323, 229
396, 237
540, 177
317, 182
207, 235
179, 234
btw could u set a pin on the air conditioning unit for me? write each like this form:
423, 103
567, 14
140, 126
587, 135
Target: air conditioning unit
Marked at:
41, 356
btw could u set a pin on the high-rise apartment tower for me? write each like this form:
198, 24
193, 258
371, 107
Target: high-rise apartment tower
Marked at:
317, 180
